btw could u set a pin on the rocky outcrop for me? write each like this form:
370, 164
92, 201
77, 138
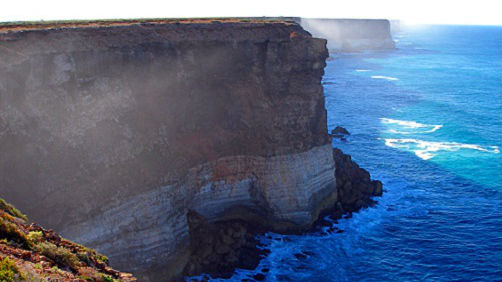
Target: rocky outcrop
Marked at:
352, 35
111, 132
340, 132
220, 247
29, 252
354, 185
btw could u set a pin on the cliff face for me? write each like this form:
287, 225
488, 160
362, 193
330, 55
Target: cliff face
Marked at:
350, 35
113, 132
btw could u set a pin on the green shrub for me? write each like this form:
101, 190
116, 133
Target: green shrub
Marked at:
102, 258
35, 236
10, 209
60, 255
92, 254
9, 271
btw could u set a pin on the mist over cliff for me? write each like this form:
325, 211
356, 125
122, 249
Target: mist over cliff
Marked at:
349, 35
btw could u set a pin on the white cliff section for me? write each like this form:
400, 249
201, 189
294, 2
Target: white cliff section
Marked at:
152, 227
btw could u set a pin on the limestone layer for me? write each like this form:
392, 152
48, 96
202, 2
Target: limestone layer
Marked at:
281, 192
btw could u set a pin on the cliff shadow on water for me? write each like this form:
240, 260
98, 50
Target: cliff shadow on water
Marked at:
169, 144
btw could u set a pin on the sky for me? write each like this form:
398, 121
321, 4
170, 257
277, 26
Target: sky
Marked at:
480, 12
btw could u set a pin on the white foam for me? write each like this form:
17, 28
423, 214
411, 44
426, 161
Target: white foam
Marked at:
384, 77
362, 70
428, 149
405, 124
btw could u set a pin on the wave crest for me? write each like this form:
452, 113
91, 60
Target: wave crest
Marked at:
405, 124
427, 149
384, 77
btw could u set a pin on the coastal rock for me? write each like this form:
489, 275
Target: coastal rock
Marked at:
215, 253
340, 130
355, 187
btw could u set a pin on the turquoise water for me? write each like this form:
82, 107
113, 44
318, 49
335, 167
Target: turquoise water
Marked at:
456, 74
426, 119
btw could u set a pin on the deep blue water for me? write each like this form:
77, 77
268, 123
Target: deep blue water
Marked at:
426, 119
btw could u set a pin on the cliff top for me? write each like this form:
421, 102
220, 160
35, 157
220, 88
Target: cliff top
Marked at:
29, 252
45, 25
21, 40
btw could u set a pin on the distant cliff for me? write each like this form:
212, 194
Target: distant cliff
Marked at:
349, 35
137, 137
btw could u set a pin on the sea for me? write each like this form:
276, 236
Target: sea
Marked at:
426, 120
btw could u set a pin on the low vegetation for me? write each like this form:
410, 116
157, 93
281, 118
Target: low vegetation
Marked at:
63, 257
12, 233
10, 209
29, 252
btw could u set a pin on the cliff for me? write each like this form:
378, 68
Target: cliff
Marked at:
32, 253
351, 35
139, 137
116, 131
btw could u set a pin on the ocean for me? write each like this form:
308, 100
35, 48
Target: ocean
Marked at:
426, 120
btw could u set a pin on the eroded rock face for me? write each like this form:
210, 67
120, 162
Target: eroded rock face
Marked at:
112, 133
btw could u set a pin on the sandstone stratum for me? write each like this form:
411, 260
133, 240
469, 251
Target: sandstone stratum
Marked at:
169, 144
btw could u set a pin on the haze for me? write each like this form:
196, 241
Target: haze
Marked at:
479, 12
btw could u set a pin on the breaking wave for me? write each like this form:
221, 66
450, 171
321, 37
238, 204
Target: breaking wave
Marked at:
384, 77
410, 127
429, 149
